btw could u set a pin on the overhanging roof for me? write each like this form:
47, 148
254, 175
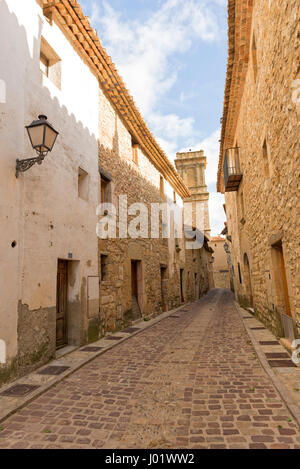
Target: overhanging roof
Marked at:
68, 15
239, 30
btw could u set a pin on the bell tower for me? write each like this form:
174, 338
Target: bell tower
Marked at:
191, 166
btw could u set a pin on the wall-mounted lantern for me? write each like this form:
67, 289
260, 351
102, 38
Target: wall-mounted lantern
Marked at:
42, 136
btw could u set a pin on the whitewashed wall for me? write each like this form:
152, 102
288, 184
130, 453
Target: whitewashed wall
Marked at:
41, 210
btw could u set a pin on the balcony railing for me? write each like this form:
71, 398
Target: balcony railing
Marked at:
232, 170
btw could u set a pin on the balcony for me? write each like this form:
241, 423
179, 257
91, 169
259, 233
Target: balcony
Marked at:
232, 170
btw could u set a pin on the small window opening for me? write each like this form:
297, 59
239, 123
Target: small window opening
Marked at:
240, 275
50, 63
266, 160
254, 58
162, 186
135, 151
103, 266
83, 184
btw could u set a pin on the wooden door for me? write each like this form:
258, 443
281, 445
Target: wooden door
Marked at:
139, 284
61, 303
284, 283
247, 279
164, 288
181, 286
134, 290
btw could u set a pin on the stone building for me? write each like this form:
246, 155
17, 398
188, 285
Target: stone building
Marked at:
220, 264
48, 245
191, 166
52, 63
142, 277
259, 166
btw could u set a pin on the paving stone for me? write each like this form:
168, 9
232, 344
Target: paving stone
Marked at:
282, 364
53, 370
268, 342
19, 390
277, 355
91, 349
185, 383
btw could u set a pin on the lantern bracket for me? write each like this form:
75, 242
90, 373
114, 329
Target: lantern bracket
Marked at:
42, 136
24, 165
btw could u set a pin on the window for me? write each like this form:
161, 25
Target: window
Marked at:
181, 286
162, 186
104, 190
103, 266
135, 151
266, 160
83, 184
240, 275
50, 63
242, 207
254, 58
177, 246
44, 64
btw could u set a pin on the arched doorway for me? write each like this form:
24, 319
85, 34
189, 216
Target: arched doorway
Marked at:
247, 278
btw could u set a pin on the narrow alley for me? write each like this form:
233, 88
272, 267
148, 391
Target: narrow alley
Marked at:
192, 380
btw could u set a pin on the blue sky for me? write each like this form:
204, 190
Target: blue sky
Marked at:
172, 55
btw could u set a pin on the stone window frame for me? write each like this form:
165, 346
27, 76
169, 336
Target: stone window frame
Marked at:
266, 159
106, 178
161, 186
241, 205
83, 184
103, 267
254, 57
50, 63
240, 273
135, 147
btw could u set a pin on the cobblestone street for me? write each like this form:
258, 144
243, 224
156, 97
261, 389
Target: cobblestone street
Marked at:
190, 381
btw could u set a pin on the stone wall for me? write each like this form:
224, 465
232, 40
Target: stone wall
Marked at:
265, 211
42, 217
141, 183
220, 265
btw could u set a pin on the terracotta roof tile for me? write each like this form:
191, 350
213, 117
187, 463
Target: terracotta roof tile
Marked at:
239, 28
70, 18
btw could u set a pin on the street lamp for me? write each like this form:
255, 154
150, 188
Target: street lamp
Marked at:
42, 136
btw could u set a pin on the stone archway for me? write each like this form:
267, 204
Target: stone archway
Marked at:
247, 279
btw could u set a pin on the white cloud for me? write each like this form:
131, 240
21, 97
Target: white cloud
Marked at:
171, 126
170, 147
216, 213
142, 49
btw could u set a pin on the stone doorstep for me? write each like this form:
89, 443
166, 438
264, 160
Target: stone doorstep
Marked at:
62, 352
287, 344
10, 405
280, 385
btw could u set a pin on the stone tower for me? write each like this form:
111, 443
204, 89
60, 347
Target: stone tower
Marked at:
191, 167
